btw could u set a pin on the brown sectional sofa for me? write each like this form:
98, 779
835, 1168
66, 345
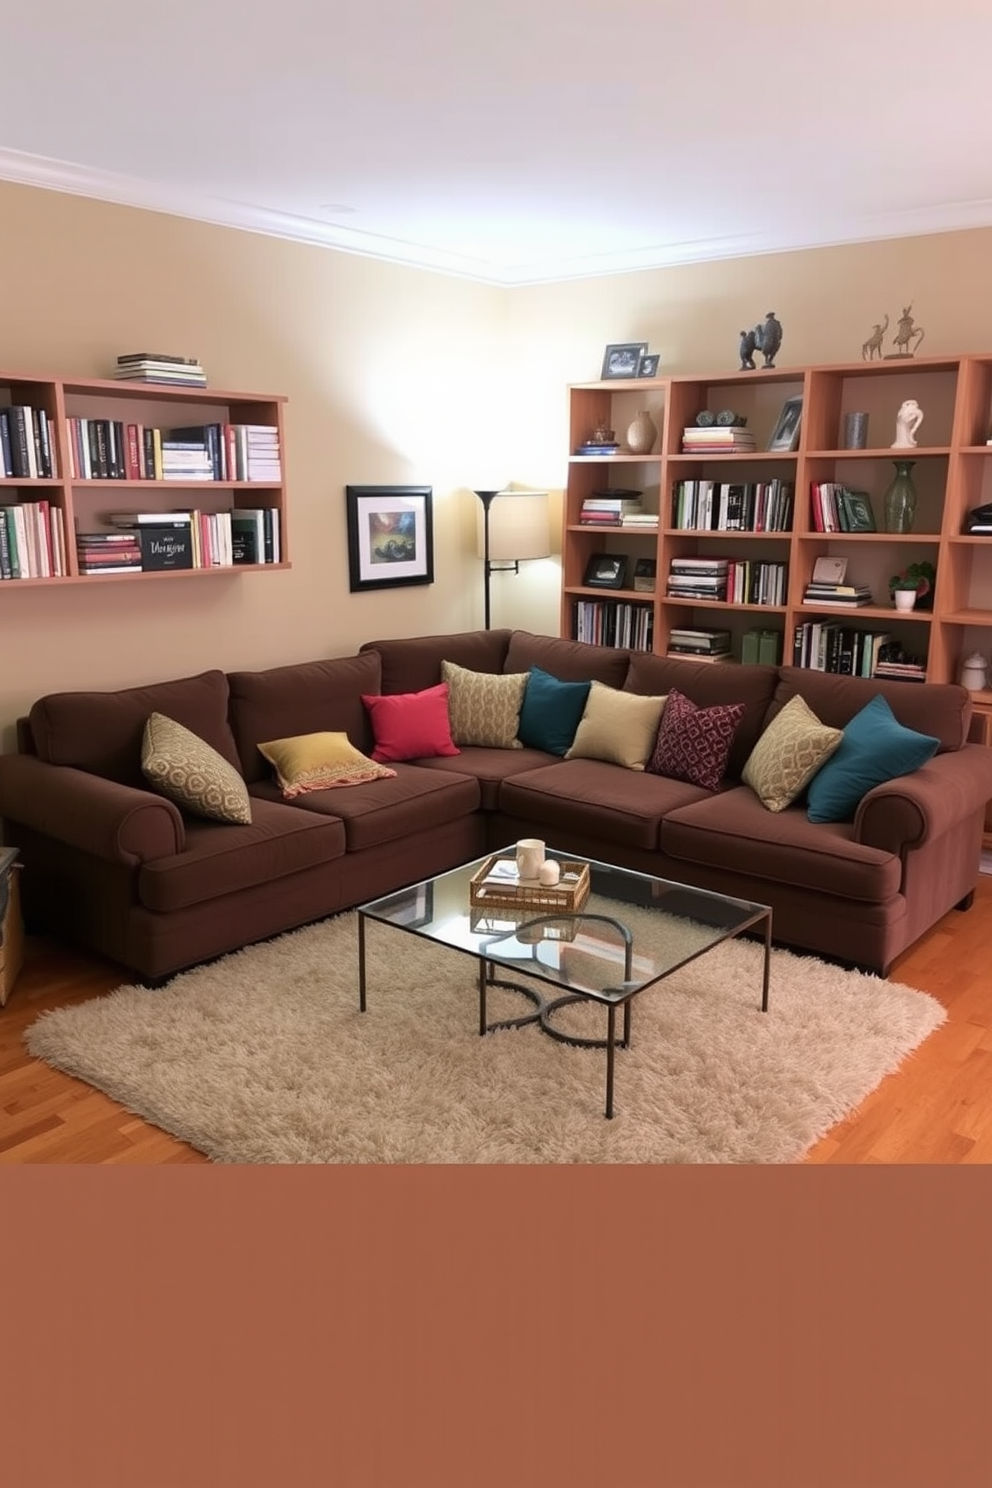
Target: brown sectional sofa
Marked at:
114, 867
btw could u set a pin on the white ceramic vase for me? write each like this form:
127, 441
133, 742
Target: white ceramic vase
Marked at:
642, 434
904, 599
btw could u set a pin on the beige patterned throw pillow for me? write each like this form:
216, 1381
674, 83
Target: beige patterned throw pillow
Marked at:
620, 727
484, 707
787, 756
181, 766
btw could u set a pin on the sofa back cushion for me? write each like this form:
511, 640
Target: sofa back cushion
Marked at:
569, 661
711, 685
939, 708
310, 697
102, 732
412, 664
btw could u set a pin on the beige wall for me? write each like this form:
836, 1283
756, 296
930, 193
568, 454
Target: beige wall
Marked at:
393, 375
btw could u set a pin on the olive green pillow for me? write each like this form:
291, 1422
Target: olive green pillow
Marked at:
484, 707
788, 754
181, 766
619, 727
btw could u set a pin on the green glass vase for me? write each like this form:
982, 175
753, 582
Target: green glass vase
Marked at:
900, 499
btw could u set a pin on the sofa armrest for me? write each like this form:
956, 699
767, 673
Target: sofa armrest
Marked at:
916, 808
117, 822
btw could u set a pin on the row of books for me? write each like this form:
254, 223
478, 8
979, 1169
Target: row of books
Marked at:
613, 622
32, 541
831, 646
159, 366
109, 449
717, 439
838, 508
27, 450
732, 506
199, 539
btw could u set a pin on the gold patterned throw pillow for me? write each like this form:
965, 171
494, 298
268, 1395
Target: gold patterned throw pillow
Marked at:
192, 774
619, 727
787, 756
312, 762
484, 707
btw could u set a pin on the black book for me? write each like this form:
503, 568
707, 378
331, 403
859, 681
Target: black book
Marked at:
6, 465
155, 356
165, 547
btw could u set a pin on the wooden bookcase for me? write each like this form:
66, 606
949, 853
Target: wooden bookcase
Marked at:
952, 473
85, 503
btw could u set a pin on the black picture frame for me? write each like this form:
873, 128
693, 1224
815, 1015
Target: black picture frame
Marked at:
785, 435
390, 536
606, 571
647, 365
621, 359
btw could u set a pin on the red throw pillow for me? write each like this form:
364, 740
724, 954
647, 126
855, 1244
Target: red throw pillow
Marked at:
411, 725
693, 743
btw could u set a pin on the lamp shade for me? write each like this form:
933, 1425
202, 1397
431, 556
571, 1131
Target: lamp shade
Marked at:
518, 527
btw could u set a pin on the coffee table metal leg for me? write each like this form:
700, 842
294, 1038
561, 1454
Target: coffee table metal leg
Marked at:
611, 1039
768, 956
483, 974
361, 962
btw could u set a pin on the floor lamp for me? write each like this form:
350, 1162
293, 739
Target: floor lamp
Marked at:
512, 528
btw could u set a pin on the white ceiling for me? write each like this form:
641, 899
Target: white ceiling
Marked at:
522, 141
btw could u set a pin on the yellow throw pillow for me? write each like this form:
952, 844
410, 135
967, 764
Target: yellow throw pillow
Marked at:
312, 762
183, 767
787, 756
484, 707
619, 727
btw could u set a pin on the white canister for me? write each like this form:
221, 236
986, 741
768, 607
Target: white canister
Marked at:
974, 673
530, 856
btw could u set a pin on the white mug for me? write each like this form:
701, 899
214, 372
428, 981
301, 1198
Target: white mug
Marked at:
530, 856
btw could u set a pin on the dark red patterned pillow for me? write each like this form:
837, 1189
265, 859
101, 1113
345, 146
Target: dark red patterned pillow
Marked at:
693, 743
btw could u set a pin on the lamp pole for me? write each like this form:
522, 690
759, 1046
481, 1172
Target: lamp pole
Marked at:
486, 497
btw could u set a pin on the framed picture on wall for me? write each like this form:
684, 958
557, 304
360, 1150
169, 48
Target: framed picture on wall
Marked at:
620, 359
390, 536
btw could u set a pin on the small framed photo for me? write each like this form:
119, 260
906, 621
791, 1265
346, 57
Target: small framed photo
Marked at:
785, 435
647, 366
623, 359
606, 571
390, 536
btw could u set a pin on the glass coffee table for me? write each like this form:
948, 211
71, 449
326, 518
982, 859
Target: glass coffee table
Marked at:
631, 932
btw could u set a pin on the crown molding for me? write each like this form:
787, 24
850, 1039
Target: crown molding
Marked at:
132, 191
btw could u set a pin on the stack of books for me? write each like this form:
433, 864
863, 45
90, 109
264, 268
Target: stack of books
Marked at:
155, 366
697, 578
717, 440
610, 508
699, 645
841, 596
108, 552
898, 665
595, 447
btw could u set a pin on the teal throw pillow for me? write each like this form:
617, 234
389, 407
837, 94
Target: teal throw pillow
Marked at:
551, 712
875, 748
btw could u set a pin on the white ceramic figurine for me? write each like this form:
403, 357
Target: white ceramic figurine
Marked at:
908, 420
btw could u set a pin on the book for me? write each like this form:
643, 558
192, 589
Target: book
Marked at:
854, 511
829, 570
165, 547
156, 356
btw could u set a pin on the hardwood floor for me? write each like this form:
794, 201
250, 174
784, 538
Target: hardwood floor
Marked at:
936, 1109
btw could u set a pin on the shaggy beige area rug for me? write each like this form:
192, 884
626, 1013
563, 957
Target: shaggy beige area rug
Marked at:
263, 1057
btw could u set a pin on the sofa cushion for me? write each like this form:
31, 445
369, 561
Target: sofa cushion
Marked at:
409, 725
490, 767
102, 732
551, 711
693, 743
707, 686
732, 831
415, 800
310, 697
874, 748
189, 773
942, 709
618, 727
319, 762
411, 663
787, 756
574, 799
484, 707
281, 840
571, 661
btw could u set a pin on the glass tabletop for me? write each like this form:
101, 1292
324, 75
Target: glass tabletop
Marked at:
631, 931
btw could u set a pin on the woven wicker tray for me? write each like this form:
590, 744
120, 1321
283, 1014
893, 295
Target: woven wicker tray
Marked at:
567, 896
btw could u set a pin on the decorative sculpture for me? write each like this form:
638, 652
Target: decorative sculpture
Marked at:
766, 338
873, 346
908, 335
908, 420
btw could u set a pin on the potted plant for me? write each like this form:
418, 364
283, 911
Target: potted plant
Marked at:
917, 579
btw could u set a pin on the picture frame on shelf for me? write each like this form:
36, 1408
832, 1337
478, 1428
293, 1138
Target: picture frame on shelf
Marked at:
606, 571
785, 435
647, 365
622, 359
390, 536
